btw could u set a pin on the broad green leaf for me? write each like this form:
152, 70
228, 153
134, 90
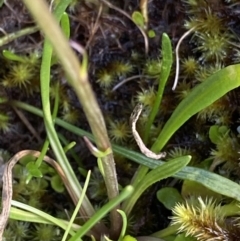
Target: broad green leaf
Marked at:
217, 132
151, 33
33, 169
169, 197
199, 98
129, 238
138, 19
214, 134
47, 169
57, 184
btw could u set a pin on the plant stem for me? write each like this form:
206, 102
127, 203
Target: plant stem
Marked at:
78, 78
11, 36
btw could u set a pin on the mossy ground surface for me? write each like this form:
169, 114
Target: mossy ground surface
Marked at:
116, 52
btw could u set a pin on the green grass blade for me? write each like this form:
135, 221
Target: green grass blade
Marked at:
42, 214
124, 225
126, 192
65, 25
162, 79
77, 207
200, 97
22, 215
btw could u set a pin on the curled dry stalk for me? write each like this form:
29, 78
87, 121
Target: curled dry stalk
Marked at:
78, 78
133, 119
177, 56
7, 184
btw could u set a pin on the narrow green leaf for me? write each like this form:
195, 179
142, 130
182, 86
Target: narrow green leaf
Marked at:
69, 146
77, 207
40, 214
200, 97
162, 80
161, 172
191, 188
21, 215
210, 180
65, 24
12, 56
124, 225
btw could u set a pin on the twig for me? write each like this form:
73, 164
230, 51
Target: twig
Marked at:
125, 81
7, 184
134, 117
27, 123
